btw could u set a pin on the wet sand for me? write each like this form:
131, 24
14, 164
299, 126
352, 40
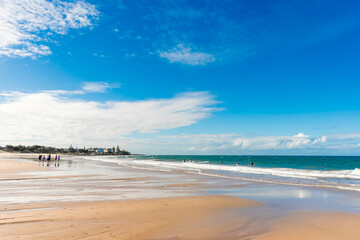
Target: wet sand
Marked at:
40, 202
181, 217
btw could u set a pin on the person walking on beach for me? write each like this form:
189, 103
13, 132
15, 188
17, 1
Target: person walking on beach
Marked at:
48, 160
58, 161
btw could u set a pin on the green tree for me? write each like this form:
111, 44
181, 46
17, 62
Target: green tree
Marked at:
71, 149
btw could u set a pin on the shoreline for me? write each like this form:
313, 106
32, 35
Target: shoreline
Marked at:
154, 206
268, 170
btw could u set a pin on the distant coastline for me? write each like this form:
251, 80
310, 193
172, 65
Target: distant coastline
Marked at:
71, 150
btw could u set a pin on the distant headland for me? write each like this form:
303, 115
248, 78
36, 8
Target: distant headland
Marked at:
69, 150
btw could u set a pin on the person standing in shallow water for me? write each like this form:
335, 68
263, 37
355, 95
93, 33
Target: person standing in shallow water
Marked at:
48, 160
58, 161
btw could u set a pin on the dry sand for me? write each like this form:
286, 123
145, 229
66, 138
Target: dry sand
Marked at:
193, 217
315, 226
8, 167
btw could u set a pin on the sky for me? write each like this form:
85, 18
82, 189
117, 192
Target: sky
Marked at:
277, 77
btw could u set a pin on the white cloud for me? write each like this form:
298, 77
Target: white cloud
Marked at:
185, 55
52, 118
99, 55
233, 143
25, 26
299, 141
100, 87
320, 139
343, 136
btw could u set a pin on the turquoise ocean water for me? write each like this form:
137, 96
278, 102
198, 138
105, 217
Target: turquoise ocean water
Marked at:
341, 172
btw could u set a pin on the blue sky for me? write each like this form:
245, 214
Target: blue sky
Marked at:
182, 77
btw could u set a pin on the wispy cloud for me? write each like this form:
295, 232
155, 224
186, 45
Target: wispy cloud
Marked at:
55, 118
343, 136
25, 26
100, 87
299, 141
187, 56
99, 55
234, 143
239, 32
208, 29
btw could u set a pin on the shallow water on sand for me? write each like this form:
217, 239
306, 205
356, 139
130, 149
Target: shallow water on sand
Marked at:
340, 172
77, 179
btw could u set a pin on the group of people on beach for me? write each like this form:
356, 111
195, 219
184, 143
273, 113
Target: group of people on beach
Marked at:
43, 157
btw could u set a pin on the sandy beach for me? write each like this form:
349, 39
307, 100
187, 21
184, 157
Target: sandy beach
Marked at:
142, 204
8, 167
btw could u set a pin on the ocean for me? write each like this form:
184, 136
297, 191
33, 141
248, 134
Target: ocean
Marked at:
342, 172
